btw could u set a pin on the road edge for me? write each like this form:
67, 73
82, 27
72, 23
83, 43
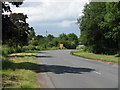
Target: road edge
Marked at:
43, 79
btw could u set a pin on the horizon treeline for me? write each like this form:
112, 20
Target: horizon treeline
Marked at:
69, 41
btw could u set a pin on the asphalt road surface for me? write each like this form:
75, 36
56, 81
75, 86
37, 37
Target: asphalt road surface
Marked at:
59, 69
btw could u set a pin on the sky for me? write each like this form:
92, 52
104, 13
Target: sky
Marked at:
54, 16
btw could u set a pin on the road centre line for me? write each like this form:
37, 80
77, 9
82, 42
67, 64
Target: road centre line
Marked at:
97, 72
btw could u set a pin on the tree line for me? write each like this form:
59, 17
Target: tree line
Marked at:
100, 27
69, 41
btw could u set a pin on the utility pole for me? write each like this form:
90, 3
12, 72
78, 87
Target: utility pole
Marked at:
46, 33
46, 38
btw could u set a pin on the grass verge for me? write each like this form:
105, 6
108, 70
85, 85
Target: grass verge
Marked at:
106, 58
19, 70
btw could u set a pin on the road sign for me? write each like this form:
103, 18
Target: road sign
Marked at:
61, 46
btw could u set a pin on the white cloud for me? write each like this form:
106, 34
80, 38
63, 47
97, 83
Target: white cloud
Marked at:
56, 1
56, 16
66, 23
46, 10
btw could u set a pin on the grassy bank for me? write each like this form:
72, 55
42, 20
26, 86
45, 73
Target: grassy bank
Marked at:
19, 70
107, 58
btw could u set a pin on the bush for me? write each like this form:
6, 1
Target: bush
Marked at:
89, 49
70, 45
35, 43
119, 53
7, 50
25, 48
6, 63
50, 44
54, 48
18, 49
99, 50
43, 47
38, 47
30, 47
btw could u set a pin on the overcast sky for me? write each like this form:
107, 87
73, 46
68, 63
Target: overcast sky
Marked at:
55, 16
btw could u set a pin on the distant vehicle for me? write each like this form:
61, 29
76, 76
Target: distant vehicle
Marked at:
80, 46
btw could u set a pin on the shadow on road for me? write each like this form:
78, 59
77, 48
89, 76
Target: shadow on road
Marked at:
58, 69
29, 56
41, 68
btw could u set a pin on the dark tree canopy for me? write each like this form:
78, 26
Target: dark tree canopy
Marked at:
100, 27
15, 30
50, 37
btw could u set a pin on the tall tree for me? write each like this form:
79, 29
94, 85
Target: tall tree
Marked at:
15, 30
72, 37
31, 35
50, 37
63, 36
91, 34
99, 32
111, 26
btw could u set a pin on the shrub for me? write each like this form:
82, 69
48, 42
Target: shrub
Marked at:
35, 43
7, 50
70, 45
6, 64
31, 47
43, 47
54, 48
50, 44
18, 49
38, 47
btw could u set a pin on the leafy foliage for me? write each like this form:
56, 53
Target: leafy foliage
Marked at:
15, 30
69, 41
100, 27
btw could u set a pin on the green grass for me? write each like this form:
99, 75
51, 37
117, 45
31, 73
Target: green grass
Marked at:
19, 71
107, 58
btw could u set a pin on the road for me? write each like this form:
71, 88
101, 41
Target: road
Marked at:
59, 69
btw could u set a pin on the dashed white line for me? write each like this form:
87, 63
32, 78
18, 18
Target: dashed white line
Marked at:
97, 72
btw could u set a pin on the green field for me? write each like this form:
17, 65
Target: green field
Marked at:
19, 70
107, 58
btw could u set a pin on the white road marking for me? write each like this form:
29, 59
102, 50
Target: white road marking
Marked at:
91, 67
97, 72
